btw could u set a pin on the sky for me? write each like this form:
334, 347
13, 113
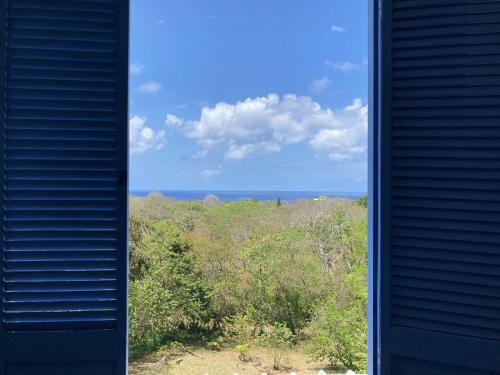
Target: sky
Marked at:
248, 95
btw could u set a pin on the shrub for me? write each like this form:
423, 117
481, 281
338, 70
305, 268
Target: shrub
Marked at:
242, 350
239, 328
338, 334
363, 201
283, 280
150, 322
278, 338
215, 346
167, 298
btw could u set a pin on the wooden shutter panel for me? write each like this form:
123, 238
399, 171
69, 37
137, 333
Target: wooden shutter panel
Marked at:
64, 92
438, 215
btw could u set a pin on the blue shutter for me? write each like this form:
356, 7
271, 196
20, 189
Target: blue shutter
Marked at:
437, 195
64, 89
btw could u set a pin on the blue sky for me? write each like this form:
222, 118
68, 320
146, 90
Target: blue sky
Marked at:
248, 95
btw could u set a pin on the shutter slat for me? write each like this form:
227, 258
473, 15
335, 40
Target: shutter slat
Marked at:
476, 257
446, 327
444, 244
406, 259
446, 286
448, 276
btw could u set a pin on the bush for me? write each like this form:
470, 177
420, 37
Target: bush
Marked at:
278, 338
238, 328
363, 201
167, 295
283, 280
216, 345
150, 323
338, 334
242, 350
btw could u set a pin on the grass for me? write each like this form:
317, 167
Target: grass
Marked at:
225, 362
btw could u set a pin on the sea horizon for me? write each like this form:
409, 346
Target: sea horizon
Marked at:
236, 195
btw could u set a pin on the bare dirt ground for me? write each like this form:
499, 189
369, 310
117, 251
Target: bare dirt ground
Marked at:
226, 362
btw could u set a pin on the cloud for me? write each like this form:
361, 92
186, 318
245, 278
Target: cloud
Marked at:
207, 174
319, 85
160, 22
337, 29
136, 68
173, 121
346, 66
347, 139
267, 124
202, 154
151, 87
143, 138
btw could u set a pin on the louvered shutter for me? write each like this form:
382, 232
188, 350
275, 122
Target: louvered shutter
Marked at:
63, 148
437, 138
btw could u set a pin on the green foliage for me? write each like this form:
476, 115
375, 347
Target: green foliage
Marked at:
243, 350
283, 280
167, 294
338, 334
216, 345
149, 323
363, 201
277, 338
239, 328
338, 328
338, 238
247, 272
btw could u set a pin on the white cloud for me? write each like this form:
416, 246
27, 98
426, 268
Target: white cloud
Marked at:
243, 151
337, 29
160, 22
267, 124
207, 174
202, 154
151, 87
345, 66
136, 68
143, 138
319, 85
173, 121
348, 138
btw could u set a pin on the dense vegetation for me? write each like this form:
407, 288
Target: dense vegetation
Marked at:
249, 273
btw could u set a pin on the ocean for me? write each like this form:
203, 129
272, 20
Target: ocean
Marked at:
286, 196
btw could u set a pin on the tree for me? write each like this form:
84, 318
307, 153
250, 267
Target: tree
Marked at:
278, 338
363, 201
339, 237
338, 333
167, 294
283, 280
